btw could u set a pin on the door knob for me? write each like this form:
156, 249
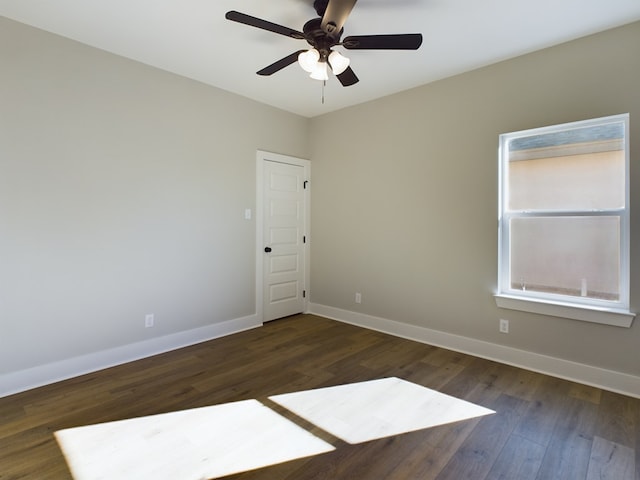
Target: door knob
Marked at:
267, 249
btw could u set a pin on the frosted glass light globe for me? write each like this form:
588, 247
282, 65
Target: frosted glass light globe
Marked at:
338, 62
309, 59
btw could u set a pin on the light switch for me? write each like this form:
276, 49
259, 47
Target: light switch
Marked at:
247, 214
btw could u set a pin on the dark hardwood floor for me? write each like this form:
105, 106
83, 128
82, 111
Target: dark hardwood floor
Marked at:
545, 428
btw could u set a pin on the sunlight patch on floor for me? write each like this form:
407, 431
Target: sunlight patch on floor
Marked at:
360, 412
202, 443
216, 441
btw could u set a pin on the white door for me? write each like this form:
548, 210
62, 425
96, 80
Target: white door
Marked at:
283, 238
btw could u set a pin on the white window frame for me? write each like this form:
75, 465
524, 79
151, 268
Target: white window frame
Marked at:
591, 310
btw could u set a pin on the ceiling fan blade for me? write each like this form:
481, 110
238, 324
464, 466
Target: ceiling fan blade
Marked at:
407, 41
347, 78
280, 64
336, 15
263, 24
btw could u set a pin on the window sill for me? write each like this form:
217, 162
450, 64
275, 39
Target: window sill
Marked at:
604, 316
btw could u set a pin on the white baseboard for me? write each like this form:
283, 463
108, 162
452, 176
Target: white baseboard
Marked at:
586, 374
20, 381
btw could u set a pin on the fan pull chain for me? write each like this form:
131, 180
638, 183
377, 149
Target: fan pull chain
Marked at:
324, 84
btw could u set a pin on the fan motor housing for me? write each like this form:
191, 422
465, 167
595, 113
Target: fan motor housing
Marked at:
318, 38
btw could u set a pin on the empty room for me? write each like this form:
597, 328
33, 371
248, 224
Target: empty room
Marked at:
383, 239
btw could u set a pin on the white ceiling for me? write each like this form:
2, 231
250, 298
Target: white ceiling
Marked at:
193, 39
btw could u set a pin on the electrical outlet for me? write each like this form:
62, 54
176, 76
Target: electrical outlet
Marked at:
358, 297
504, 326
148, 320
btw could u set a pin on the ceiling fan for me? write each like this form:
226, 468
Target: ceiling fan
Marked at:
323, 34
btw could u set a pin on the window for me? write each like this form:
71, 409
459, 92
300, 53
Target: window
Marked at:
564, 221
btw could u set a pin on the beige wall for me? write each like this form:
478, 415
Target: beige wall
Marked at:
122, 193
405, 196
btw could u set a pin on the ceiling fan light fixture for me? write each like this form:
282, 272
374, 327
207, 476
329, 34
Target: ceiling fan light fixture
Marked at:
309, 59
322, 34
338, 62
320, 71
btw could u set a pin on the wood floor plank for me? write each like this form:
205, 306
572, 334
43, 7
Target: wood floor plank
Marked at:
520, 459
569, 451
396, 354
586, 392
478, 453
435, 377
525, 385
441, 356
440, 444
545, 428
478, 370
548, 403
616, 418
610, 461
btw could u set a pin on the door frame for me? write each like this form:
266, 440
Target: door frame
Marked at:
262, 157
